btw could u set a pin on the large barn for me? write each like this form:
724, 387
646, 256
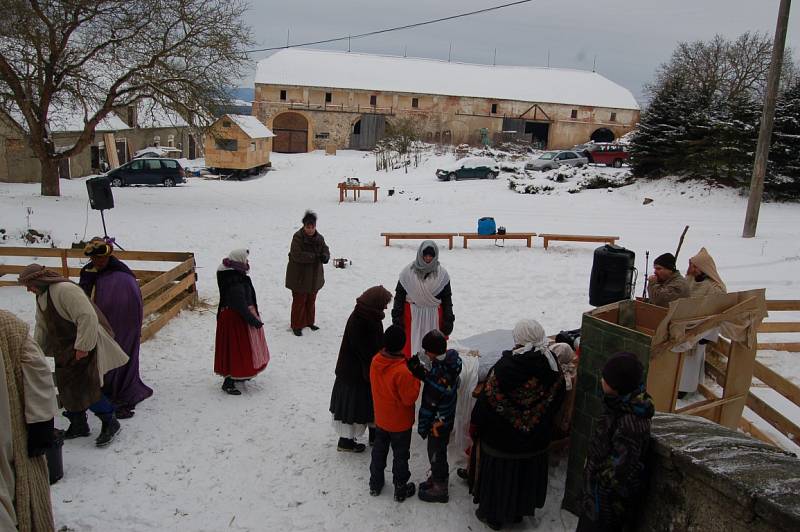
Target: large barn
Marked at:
311, 99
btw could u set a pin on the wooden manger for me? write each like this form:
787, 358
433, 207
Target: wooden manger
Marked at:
165, 291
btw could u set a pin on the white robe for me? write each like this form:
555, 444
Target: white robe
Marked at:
421, 297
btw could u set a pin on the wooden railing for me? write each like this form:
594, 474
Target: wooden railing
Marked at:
165, 292
716, 360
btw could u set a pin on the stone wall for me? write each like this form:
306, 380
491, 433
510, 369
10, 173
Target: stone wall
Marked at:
706, 477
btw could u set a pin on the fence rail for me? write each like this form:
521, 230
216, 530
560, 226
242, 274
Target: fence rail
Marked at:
165, 292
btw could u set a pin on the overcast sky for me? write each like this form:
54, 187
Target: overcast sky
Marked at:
628, 38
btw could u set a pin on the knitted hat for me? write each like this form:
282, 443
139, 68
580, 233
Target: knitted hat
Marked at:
667, 260
623, 372
394, 338
434, 342
98, 247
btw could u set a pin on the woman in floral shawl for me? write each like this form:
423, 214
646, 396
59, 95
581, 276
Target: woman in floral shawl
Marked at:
512, 422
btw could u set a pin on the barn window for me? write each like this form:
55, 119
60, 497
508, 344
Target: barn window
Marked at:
415, 103
328, 97
156, 141
613, 117
227, 144
226, 123
253, 146
357, 128
373, 100
283, 95
574, 114
494, 108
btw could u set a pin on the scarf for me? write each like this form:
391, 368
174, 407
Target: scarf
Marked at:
372, 303
89, 274
236, 260
529, 335
422, 268
32, 485
421, 295
40, 275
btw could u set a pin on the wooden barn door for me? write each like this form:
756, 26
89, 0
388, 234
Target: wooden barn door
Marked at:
291, 130
368, 130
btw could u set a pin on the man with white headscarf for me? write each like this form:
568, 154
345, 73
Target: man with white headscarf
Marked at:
423, 299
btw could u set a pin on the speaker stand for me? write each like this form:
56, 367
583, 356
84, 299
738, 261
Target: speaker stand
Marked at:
105, 231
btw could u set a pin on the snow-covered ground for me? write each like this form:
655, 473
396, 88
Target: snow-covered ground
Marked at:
194, 458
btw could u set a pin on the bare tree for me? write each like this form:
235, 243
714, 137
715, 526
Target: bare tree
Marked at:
95, 56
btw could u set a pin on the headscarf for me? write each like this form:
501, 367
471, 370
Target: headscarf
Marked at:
372, 303
706, 264
529, 334
422, 268
40, 275
236, 260
566, 361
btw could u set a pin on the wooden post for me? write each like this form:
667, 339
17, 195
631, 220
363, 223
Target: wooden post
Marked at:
738, 377
64, 265
767, 118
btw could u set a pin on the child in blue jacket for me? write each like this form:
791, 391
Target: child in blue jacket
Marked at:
438, 368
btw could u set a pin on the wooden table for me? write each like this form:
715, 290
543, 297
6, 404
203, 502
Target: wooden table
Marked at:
511, 236
344, 187
577, 238
420, 236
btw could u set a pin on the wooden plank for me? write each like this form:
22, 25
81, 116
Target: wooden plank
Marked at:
783, 304
9, 283
145, 275
779, 327
774, 418
570, 238
793, 347
419, 235
166, 277
30, 252
738, 377
154, 256
168, 295
708, 404
778, 383
156, 325
749, 428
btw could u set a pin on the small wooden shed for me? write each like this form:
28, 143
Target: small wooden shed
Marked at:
238, 144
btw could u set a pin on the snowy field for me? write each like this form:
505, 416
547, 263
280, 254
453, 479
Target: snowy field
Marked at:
194, 458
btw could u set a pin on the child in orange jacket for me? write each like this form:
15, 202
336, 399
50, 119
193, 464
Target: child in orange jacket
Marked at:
394, 392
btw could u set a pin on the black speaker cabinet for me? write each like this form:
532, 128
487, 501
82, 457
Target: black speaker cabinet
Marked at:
100, 196
612, 275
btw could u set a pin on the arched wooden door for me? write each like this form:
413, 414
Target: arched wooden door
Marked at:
291, 130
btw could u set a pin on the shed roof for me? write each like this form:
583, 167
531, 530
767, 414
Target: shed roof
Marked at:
347, 70
252, 126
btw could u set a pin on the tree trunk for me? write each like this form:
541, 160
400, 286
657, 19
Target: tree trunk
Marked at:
50, 180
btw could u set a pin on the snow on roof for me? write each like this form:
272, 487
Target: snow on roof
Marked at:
252, 126
347, 70
154, 115
73, 120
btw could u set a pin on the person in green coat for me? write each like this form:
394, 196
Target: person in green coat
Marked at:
304, 273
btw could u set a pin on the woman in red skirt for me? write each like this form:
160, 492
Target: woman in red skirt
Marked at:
241, 348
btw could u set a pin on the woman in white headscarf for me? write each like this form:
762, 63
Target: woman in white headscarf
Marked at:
423, 299
513, 423
241, 349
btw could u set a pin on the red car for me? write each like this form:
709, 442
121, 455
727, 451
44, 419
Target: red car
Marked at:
608, 154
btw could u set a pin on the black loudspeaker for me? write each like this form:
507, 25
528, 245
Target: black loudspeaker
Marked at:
100, 197
612, 275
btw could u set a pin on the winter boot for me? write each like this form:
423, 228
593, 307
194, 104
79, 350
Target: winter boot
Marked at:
426, 485
229, 387
463, 473
375, 491
348, 445
403, 492
313, 327
109, 431
436, 492
298, 332
78, 426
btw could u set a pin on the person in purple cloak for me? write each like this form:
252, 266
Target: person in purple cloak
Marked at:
113, 288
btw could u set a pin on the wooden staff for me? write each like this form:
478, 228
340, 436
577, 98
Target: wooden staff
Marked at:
680, 243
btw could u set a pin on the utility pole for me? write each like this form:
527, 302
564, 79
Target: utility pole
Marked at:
767, 119
494, 61
450, 51
287, 37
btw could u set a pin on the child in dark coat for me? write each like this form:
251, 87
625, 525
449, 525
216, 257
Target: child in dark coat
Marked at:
438, 368
614, 472
394, 393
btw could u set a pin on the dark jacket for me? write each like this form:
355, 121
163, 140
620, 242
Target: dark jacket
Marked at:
307, 254
439, 392
514, 413
445, 296
236, 292
362, 339
614, 471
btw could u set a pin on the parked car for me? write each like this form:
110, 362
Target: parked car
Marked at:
158, 151
167, 172
608, 154
553, 159
470, 168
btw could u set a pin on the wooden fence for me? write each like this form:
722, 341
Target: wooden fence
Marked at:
716, 367
165, 291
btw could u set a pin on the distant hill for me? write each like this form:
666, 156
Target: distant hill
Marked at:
242, 93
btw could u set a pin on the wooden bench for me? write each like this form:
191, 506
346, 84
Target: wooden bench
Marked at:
420, 236
344, 187
510, 236
577, 238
